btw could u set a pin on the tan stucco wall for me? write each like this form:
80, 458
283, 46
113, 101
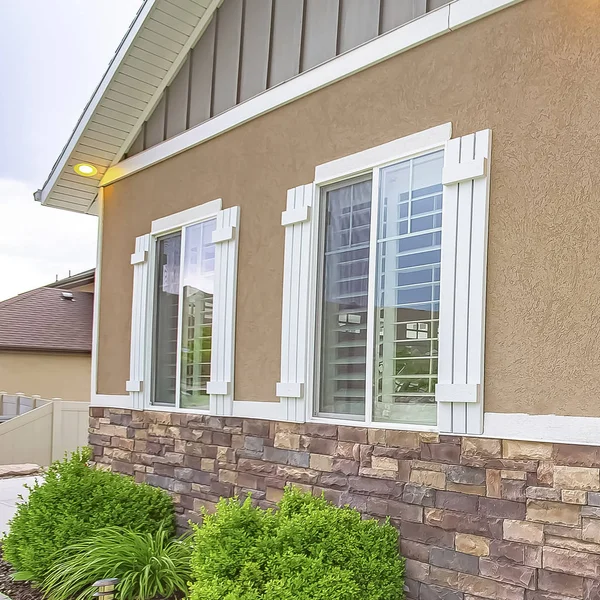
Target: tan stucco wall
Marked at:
530, 73
48, 375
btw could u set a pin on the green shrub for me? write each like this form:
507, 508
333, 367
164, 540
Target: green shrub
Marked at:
73, 502
308, 550
147, 565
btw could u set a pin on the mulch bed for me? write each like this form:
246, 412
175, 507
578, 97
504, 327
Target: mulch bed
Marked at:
15, 590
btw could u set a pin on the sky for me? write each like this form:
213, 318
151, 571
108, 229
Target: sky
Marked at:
53, 54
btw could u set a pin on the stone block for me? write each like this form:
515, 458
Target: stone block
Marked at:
297, 474
481, 447
488, 588
256, 467
418, 494
574, 496
444, 453
404, 512
357, 435
577, 478
511, 551
519, 450
514, 490
444, 578
459, 522
590, 530
377, 473
503, 509
408, 440
554, 513
321, 462
457, 502
542, 493
456, 561
591, 589
345, 467
274, 494
287, 440
226, 476
429, 437
435, 592
426, 534
493, 483
545, 473
571, 562
467, 475
523, 531
384, 463
333, 480
432, 479
475, 545
318, 445
414, 550
427, 465
416, 570
376, 436
577, 456
256, 427
122, 467
347, 450
507, 474
519, 575
572, 544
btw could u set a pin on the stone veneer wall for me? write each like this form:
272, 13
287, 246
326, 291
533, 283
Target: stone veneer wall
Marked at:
478, 518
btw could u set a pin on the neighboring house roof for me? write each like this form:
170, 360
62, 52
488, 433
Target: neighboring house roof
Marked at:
146, 61
45, 320
74, 281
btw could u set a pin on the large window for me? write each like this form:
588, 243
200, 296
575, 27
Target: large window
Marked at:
380, 265
183, 310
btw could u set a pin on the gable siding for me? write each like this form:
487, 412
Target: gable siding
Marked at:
253, 45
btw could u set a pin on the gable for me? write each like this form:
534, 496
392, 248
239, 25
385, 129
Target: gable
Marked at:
253, 45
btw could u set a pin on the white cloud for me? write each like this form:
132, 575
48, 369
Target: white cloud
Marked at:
38, 243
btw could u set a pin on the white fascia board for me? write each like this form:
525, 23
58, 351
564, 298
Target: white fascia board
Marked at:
412, 34
97, 97
366, 160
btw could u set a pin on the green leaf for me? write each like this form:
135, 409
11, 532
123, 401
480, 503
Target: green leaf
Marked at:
22, 576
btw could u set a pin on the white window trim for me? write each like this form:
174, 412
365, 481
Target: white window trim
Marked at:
221, 392
348, 167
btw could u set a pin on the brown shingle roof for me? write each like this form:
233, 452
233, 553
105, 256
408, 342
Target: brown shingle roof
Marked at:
42, 319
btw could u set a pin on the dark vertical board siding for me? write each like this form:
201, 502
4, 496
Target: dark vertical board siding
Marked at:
285, 49
155, 126
227, 56
395, 13
320, 32
137, 144
433, 4
255, 48
178, 101
359, 22
201, 75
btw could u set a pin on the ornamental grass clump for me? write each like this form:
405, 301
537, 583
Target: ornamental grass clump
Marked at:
307, 550
73, 502
147, 565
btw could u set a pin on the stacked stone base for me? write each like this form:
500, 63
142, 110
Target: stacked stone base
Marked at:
478, 518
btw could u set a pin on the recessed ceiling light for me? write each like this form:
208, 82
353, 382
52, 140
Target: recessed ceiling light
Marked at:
85, 169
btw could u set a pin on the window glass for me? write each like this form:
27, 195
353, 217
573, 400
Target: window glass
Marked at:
197, 307
184, 294
407, 292
345, 268
168, 251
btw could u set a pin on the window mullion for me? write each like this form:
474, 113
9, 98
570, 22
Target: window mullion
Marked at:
180, 321
371, 292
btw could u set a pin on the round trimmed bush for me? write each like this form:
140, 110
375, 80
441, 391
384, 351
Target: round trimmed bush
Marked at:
73, 502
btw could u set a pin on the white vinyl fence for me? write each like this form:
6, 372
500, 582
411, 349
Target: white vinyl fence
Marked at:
34, 430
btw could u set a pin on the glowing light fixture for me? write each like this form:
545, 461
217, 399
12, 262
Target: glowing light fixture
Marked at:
85, 169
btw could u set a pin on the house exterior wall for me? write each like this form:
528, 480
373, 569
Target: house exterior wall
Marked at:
529, 74
478, 518
46, 374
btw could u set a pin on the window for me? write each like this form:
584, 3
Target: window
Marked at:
184, 288
380, 265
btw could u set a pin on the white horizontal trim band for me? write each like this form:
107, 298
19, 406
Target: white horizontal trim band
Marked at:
111, 401
289, 390
457, 392
465, 171
419, 31
295, 215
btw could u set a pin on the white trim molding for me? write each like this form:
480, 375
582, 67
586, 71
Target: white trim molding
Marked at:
296, 285
463, 283
225, 238
112, 401
96, 314
412, 34
556, 429
185, 217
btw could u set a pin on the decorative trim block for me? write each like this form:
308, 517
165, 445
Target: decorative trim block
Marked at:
296, 285
224, 306
462, 286
139, 314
